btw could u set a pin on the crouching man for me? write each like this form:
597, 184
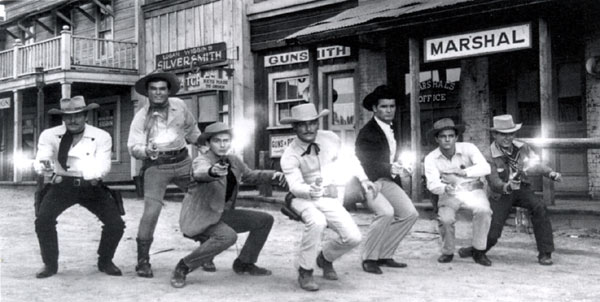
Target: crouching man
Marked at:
453, 171
208, 211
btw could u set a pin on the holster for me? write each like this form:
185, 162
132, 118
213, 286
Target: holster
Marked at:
117, 198
40, 192
287, 209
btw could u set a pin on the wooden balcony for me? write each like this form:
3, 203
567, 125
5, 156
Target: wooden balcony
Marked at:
68, 52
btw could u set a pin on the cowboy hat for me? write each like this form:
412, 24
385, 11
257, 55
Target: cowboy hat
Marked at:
303, 113
444, 124
504, 124
141, 86
381, 92
212, 130
73, 105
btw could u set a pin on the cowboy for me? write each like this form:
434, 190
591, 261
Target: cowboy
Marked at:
208, 212
310, 164
512, 161
453, 172
158, 136
395, 213
77, 156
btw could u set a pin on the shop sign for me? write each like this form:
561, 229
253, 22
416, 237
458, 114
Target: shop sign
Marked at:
323, 53
4, 103
278, 143
478, 43
195, 56
435, 91
195, 81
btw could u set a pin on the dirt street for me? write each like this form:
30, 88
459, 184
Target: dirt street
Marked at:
514, 276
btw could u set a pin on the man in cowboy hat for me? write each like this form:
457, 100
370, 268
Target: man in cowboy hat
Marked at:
208, 211
512, 161
158, 136
310, 164
78, 156
395, 213
453, 172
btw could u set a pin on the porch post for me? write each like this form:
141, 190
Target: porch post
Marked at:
16, 64
548, 108
65, 48
65, 89
18, 132
415, 117
313, 76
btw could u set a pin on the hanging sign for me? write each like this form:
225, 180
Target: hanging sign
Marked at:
478, 43
4, 103
213, 79
323, 53
195, 56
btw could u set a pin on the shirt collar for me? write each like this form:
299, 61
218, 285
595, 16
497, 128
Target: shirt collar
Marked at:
383, 125
496, 152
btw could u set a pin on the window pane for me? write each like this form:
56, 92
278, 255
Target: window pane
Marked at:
342, 97
280, 90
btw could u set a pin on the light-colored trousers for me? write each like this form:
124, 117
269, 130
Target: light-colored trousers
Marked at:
317, 215
475, 201
395, 215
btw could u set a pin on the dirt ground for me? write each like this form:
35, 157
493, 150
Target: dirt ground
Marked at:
514, 276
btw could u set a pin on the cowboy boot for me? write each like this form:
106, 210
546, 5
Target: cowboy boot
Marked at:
306, 280
178, 276
143, 268
111, 235
49, 250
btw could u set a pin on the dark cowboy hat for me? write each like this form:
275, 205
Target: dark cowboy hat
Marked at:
73, 105
304, 113
444, 124
381, 92
158, 74
212, 130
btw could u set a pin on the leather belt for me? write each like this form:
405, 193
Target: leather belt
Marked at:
164, 159
74, 181
171, 153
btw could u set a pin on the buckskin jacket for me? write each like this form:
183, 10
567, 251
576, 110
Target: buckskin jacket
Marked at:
501, 170
204, 202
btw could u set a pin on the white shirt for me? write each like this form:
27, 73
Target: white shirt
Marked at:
466, 155
91, 156
389, 135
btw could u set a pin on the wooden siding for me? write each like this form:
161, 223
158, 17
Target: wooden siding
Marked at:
194, 26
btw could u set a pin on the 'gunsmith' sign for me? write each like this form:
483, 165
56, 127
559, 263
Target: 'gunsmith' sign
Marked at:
477, 43
195, 56
301, 56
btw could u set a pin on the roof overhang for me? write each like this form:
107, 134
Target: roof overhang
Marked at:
381, 15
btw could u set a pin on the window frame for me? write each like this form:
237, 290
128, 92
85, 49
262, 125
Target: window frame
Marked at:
116, 135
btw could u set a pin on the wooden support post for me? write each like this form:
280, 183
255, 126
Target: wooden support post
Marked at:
17, 138
266, 189
65, 89
65, 48
313, 76
415, 116
548, 108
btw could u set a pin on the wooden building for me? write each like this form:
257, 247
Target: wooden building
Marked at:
55, 49
465, 59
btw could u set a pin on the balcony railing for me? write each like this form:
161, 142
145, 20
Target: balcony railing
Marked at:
65, 52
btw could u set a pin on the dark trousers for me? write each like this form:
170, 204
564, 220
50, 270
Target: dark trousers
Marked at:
94, 198
525, 198
222, 235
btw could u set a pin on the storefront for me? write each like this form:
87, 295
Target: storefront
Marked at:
202, 43
471, 61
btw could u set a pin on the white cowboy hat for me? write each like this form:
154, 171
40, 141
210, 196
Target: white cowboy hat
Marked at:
504, 124
592, 67
303, 113
73, 105
158, 74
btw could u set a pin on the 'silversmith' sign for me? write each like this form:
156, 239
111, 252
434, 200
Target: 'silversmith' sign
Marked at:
183, 59
478, 43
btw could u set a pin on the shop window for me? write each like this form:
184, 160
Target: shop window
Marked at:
108, 118
213, 107
570, 100
438, 98
289, 93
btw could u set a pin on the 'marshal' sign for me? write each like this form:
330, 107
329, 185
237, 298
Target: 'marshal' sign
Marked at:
478, 43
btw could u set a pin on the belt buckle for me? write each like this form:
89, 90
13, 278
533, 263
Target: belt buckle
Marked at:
76, 182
